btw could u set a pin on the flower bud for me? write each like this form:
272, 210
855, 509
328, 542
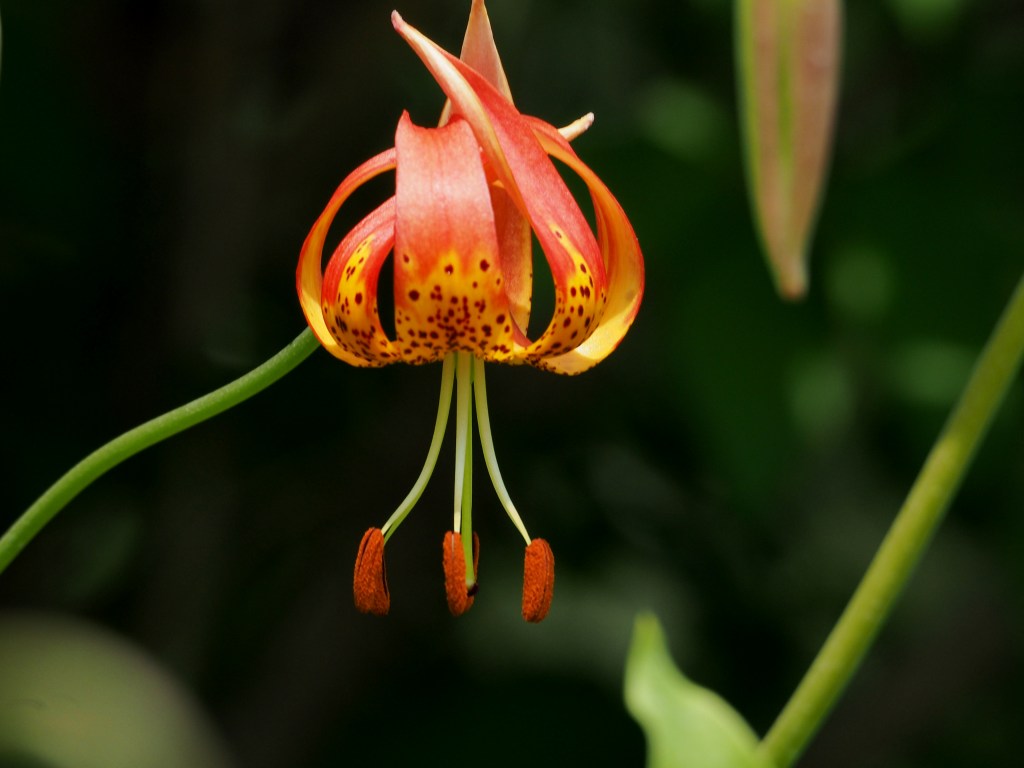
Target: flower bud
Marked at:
789, 61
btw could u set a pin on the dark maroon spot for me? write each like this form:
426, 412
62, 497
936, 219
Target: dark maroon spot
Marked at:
359, 298
499, 319
484, 265
448, 269
583, 268
414, 295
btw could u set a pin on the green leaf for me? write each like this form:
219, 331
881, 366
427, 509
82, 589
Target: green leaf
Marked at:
686, 726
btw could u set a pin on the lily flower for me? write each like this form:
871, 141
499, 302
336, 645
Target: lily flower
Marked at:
469, 196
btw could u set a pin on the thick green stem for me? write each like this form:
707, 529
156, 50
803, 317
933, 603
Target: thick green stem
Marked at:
905, 542
120, 448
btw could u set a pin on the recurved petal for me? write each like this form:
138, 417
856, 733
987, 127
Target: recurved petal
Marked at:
349, 294
449, 286
514, 243
620, 251
515, 160
309, 273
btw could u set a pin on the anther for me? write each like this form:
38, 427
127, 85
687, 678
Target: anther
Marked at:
460, 595
538, 580
370, 582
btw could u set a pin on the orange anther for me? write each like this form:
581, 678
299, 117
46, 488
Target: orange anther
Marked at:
460, 595
538, 580
370, 582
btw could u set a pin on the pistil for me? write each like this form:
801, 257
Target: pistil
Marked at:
463, 513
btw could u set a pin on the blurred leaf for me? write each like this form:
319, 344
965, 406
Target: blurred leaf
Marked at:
788, 53
72, 696
686, 726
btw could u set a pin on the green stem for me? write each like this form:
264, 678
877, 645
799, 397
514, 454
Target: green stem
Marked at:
120, 448
905, 542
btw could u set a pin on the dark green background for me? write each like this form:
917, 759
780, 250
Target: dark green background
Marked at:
732, 466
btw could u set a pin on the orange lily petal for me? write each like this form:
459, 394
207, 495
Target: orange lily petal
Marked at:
623, 261
349, 294
449, 289
514, 245
309, 274
524, 170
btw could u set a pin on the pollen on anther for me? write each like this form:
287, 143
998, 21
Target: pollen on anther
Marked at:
538, 580
459, 594
370, 581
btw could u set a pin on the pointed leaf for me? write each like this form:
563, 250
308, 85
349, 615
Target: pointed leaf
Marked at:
686, 726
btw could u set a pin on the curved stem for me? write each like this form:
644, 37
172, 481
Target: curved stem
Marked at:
904, 543
141, 437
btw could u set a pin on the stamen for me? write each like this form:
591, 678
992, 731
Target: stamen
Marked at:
538, 580
443, 406
459, 593
487, 445
370, 581
577, 126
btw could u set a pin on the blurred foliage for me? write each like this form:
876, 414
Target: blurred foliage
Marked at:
731, 467
76, 697
686, 726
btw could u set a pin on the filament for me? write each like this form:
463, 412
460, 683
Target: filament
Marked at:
487, 445
444, 405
